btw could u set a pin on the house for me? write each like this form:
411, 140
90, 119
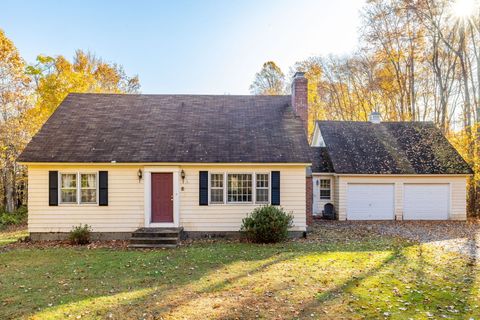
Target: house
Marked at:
198, 162
201, 163
387, 171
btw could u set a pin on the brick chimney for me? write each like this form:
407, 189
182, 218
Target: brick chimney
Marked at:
300, 97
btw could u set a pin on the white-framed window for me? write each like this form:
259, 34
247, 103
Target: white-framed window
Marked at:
325, 189
217, 188
88, 188
234, 188
68, 188
262, 187
78, 187
239, 188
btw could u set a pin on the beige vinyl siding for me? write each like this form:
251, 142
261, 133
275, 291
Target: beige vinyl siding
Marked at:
336, 195
124, 212
126, 209
228, 217
457, 186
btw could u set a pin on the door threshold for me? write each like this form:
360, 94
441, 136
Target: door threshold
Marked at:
161, 225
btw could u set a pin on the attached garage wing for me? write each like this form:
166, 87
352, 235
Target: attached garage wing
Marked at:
370, 201
426, 202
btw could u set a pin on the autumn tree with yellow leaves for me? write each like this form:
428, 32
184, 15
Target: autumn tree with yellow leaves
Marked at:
14, 102
416, 61
55, 77
29, 94
270, 80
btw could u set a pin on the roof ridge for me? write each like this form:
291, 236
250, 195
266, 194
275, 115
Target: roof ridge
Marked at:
177, 95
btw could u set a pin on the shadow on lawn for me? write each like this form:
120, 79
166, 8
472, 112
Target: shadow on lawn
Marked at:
204, 280
34, 279
433, 289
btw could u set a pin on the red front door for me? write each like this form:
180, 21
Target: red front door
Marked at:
162, 197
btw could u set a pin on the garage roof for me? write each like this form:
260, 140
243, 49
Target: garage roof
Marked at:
390, 148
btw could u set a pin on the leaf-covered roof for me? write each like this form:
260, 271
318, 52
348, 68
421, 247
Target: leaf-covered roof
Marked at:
390, 148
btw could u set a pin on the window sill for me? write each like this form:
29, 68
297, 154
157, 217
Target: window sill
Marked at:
78, 204
238, 203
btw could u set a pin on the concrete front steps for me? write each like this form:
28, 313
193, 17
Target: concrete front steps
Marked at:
155, 238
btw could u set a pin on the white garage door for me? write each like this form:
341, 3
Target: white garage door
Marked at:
426, 202
370, 202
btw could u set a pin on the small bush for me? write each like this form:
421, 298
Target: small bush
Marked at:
19, 217
267, 224
80, 235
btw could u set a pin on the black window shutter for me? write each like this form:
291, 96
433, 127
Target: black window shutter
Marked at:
103, 188
203, 189
276, 188
53, 188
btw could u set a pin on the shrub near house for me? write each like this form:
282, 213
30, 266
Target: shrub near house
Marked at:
80, 235
267, 224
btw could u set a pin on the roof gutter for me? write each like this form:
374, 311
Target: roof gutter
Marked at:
166, 163
403, 175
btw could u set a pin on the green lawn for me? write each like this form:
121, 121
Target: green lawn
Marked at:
355, 278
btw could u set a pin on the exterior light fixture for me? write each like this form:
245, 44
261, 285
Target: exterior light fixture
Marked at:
182, 175
139, 174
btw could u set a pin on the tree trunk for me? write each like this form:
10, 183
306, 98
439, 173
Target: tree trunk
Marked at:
9, 189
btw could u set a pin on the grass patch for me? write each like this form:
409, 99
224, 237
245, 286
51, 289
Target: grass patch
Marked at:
377, 277
12, 235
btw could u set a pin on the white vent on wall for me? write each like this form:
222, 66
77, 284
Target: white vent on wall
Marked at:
374, 117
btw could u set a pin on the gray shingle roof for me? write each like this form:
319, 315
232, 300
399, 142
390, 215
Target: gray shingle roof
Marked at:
390, 148
171, 128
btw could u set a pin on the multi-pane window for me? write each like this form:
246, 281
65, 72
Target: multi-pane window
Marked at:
239, 187
78, 188
216, 188
325, 189
262, 188
88, 188
68, 188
